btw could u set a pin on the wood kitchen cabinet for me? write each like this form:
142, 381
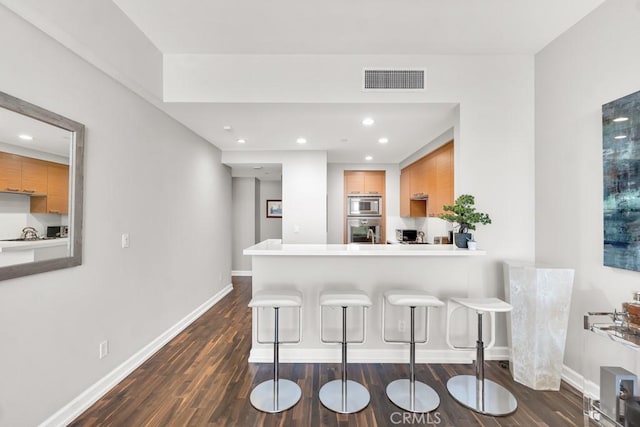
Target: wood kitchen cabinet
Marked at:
57, 198
58, 189
22, 174
364, 182
46, 182
34, 176
10, 172
432, 175
408, 207
443, 194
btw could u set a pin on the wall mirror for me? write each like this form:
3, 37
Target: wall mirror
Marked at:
41, 189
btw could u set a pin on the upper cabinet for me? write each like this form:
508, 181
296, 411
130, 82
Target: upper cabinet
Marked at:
431, 177
410, 177
58, 189
364, 182
22, 174
57, 198
34, 176
46, 182
10, 172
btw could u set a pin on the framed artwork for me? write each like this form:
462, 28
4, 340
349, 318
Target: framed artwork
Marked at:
274, 208
621, 181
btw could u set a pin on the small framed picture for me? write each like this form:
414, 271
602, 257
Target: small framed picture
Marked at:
274, 208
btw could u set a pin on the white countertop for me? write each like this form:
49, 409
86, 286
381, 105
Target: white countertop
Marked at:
275, 247
32, 244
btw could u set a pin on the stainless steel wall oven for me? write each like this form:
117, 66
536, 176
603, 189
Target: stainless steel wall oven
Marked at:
361, 229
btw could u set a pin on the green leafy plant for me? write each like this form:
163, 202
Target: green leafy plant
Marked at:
464, 214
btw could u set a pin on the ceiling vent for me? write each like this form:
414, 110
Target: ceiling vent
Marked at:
394, 79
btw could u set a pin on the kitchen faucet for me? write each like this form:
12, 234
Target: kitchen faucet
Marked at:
373, 236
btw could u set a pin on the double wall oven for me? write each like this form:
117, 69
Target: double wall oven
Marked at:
364, 219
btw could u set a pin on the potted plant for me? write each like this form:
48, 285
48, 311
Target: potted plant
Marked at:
464, 214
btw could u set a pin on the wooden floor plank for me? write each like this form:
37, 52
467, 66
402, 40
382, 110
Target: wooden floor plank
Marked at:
202, 378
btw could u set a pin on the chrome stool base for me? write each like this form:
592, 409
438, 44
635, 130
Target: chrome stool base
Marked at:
425, 398
357, 397
497, 400
262, 396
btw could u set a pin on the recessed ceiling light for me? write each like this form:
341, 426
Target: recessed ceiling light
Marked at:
383, 140
241, 141
620, 137
368, 121
227, 128
301, 141
621, 119
369, 158
25, 137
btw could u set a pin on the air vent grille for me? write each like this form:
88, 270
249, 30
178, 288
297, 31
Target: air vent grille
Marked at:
394, 79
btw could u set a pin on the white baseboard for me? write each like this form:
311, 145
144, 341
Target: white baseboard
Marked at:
241, 273
330, 354
81, 403
577, 381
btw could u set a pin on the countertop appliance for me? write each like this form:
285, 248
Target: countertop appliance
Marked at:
406, 235
361, 205
58, 231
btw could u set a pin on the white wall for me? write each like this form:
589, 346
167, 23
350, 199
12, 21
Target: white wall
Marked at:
270, 228
243, 214
304, 190
593, 63
144, 174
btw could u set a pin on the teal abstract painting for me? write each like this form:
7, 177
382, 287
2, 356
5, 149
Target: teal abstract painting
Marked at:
621, 173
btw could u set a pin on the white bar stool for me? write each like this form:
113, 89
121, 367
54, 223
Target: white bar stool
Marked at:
475, 392
276, 395
344, 396
409, 394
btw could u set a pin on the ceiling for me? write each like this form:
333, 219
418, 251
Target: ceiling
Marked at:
354, 26
46, 138
336, 128
341, 27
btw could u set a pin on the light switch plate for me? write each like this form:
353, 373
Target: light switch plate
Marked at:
125, 240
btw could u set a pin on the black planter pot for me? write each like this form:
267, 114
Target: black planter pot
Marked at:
461, 239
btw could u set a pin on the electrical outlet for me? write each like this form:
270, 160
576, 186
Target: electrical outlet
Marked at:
220, 277
401, 325
103, 350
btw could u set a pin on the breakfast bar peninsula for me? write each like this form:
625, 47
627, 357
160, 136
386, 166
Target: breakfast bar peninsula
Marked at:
442, 270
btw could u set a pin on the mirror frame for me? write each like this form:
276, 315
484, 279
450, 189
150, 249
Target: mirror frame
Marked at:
76, 188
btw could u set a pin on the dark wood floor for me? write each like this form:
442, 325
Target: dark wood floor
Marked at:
202, 378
